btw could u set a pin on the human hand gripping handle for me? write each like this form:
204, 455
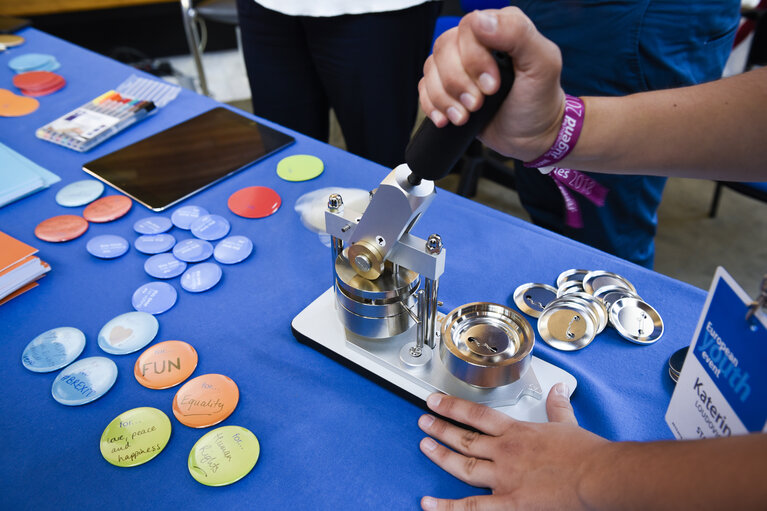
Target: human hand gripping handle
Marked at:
526, 465
461, 72
433, 151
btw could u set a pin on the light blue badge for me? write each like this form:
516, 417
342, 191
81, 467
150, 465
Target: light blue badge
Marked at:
32, 62
233, 249
154, 297
53, 349
84, 381
153, 225
128, 332
107, 246
154, 243
79, 193
184, 217
201, 277
210, 227
193, 250
164, 266
53, 65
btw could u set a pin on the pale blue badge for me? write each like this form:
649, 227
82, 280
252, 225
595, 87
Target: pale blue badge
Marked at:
79, 193
154, 243
33, 62
184, 217
53, 349
210, 227
154, 297
128, 332
84, 381
153, 225
164, 266
193, 250
107, 246
233, 249
201, 277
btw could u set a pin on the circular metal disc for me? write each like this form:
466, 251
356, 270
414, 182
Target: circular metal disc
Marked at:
600, 312
532, 298
594, 280
571, 276
410, 356
571, 286
676, 361
636, 321
611, 294
567, 326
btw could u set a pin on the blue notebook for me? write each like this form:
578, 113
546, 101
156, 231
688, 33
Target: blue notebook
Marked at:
20, 176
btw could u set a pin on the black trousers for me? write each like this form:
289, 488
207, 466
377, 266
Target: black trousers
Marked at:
366, 67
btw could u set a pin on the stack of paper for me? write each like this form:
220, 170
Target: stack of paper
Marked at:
19, 267
20, 177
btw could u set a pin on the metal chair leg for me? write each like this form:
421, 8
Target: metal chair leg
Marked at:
715, 200
193, 41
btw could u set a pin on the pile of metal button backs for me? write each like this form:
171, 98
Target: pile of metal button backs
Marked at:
571, 315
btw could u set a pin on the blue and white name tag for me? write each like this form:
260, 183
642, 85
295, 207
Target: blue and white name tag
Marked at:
722, 389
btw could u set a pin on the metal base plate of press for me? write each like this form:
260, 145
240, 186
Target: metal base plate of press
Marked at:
319, 324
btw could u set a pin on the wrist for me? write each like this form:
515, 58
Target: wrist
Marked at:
561, 137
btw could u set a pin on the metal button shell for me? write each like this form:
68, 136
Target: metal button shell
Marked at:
573, 275
532, 298
594, 280
568, 325
636, 321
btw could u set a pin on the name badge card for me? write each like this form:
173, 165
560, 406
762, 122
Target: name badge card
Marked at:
722, 389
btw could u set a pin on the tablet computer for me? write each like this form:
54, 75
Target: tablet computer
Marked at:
174, 164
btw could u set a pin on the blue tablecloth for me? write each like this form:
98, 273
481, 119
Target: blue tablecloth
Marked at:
330, 438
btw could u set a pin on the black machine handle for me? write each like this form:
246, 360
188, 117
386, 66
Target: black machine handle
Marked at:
433, 151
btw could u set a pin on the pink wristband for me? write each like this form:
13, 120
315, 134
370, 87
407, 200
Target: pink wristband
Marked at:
572, 123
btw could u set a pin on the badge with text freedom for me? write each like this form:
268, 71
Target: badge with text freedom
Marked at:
722, 389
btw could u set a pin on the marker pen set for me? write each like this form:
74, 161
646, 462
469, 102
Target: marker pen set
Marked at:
89, 125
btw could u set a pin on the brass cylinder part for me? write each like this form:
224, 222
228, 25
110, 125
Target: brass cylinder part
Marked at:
366, 259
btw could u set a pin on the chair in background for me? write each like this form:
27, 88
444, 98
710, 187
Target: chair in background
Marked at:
756, 191
194, 14
478, 160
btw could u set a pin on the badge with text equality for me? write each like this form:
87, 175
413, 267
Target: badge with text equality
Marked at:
722, 389
205, 400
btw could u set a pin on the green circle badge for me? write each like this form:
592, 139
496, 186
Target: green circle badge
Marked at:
224, 456
300, 167
135, 437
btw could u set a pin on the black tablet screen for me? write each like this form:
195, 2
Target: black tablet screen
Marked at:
169, 166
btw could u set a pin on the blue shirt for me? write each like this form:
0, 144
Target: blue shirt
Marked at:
614, 48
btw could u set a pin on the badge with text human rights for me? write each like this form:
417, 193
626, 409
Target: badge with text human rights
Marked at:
722, 388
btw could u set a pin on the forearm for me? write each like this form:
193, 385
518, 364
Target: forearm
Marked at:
715, 130
711, 474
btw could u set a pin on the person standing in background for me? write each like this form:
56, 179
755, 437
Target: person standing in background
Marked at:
362, 58
614, 49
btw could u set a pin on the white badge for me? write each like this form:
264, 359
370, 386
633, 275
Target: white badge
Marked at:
722, 389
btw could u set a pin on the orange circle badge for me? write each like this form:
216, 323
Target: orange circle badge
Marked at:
205, 400
165, 364
107, 208
61, 228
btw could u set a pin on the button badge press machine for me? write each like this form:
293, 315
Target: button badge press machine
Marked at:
381, 314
